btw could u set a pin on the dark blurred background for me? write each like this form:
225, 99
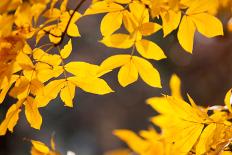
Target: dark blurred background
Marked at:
87, 128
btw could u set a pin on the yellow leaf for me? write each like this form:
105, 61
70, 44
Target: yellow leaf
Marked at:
127, 74
27, 49
103, 7
29, 74
21, 88
39, 36
186, 33
67, 94
149, 28
53, 144
188, 138
24, 61
36, 10
32, 113
199, 110
139, 11
82, 69
36, 86
51, 90
147, 72
129, 22
155, 103
228, 100
150, 50
170, 21
175, 86
66, 51
150, 134
52, 13
123, 41
208, 25
41, 56
39, 146
57, 70
205, 140
5, 86
6, 22
134, 142
183, 109
201, 6
113, 62
63, 5
11, 118
91, 85
111, 22
73, 31
45, 72
65, 18
23, 15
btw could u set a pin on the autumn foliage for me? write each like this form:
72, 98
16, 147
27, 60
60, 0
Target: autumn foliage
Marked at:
36, 42
186, 128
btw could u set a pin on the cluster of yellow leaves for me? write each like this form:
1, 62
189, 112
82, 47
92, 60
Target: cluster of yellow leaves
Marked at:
185, 128
34, 50
35, 75
138, 18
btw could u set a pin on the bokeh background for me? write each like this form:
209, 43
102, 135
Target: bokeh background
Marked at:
87, 128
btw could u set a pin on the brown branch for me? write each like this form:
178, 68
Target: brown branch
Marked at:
69, 21
48, 32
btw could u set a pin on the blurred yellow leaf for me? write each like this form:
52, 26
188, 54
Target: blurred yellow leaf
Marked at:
228, 100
